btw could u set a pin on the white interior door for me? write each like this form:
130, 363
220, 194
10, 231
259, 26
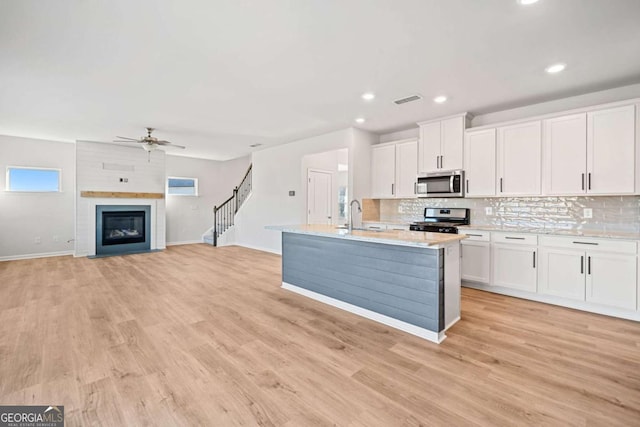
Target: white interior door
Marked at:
319, 200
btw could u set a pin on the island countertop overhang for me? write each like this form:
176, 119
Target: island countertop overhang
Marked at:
392, 237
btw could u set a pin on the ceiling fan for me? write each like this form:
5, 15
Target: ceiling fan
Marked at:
149, 143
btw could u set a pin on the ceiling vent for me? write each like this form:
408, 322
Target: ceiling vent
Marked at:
407, 99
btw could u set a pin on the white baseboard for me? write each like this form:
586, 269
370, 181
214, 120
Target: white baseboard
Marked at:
258, 248
185, 242
372, 315
550, 299
32, 256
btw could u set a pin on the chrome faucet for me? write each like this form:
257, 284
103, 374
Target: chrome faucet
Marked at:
351, 213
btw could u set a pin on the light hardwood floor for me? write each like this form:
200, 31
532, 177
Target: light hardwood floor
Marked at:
197, 335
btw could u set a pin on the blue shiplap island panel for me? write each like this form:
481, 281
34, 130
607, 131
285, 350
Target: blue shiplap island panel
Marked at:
402, 282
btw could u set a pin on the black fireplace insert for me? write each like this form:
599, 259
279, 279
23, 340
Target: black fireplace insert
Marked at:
123, 227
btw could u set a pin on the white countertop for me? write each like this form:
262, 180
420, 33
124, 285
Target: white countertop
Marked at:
552, 232
391, 237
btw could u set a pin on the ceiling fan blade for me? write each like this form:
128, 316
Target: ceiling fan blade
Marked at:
177, 146
123, 140
125, 137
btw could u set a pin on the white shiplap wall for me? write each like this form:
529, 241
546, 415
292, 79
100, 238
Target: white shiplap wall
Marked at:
148, 175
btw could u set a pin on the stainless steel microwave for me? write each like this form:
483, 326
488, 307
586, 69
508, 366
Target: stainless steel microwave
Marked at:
441, 184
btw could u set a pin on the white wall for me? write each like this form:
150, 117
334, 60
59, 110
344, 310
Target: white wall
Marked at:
26, 216
278, 170
187, 216
94, 172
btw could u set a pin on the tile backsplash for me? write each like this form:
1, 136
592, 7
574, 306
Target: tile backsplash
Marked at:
610, 213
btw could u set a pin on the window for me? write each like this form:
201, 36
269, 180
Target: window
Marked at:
33, 179
182, 186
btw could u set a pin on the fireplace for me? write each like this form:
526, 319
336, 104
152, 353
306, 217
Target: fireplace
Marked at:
122, 229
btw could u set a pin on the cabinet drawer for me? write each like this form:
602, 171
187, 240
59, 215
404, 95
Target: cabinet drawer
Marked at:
480, 236
515, 238
398, 227
589, 244
374, 226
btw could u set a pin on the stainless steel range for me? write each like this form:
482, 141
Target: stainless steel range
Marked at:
442, 220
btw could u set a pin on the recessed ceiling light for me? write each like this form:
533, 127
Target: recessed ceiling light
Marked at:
555, 68
527, 2
440, 99
368, 96
360, 120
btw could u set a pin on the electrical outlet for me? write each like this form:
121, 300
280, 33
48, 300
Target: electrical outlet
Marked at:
38, 240
400, 209
488, 210
56, 239
587, 213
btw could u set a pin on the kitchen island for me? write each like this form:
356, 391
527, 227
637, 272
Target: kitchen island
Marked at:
408, 280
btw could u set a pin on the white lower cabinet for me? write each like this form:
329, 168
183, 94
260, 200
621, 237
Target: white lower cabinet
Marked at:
611, 279
476, 261
514, 266
476, 256
594, 270
562, 273
599, 274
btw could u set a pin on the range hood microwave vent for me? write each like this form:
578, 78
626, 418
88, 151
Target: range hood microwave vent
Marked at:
407, 99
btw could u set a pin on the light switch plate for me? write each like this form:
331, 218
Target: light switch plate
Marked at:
587, 213
488, 210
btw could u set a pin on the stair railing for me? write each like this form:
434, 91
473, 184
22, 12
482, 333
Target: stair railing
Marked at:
224, 215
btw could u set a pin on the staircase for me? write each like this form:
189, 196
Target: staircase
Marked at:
224, 215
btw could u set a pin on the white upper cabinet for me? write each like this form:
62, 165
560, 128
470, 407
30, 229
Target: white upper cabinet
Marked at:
452, 142
590, 153
406, 169
394, 169
383, 171
480, 163
441, 144
611, 151
519, 159
565, 155
429, 148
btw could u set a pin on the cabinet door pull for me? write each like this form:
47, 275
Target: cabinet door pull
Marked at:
467, 190
589, 179
501, 185
514, 238
415, 188
441, 162
586, 243
583, 181
534, 259
437, 162
582, 264
393, 189
473, 235
588, 265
